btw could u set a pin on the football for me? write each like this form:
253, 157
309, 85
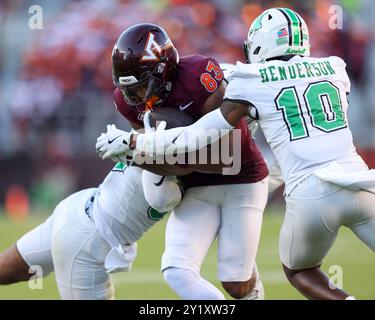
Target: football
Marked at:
174, 117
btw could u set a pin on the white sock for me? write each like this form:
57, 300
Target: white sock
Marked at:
189, 285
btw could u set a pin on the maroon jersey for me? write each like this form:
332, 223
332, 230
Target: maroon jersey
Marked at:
197, 78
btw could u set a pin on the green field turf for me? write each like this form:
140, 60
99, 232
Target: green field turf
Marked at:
146, 282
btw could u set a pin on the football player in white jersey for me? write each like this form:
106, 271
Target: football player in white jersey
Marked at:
301, 105
92, 233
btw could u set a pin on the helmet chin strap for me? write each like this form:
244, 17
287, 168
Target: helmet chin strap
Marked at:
153, 98
149, 87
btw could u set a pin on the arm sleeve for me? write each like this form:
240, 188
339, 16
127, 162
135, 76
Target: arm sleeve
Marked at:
161, 192
207, 130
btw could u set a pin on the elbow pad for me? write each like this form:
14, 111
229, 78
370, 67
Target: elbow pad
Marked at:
161, 192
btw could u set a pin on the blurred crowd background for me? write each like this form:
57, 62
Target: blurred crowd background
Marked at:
56, 88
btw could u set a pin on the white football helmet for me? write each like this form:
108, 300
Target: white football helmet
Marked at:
277, 32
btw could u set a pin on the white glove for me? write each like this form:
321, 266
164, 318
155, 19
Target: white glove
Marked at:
146, 123
113, 143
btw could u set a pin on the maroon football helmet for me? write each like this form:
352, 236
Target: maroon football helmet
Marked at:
144, 62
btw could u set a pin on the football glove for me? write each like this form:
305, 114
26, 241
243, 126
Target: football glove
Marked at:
148, 128
113, 143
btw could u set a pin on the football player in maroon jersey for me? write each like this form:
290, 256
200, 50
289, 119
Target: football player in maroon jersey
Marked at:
148, 74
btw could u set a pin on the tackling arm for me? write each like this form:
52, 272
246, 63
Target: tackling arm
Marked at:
176, 170
183, 139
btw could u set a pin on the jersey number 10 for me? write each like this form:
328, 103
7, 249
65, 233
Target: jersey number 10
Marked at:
323, 105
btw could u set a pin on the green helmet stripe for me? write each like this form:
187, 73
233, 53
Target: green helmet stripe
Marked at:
289, 24
300, 27
295, 24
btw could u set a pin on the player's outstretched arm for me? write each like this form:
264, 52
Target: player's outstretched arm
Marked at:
208, 129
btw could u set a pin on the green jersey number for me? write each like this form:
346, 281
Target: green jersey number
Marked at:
323, 104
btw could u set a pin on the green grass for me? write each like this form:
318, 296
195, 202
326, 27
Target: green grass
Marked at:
146, 282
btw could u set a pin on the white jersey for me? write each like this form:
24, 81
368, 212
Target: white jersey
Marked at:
301, 106
120, 211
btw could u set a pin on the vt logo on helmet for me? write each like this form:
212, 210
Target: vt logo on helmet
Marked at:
275, 33
144, 62
151, 48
